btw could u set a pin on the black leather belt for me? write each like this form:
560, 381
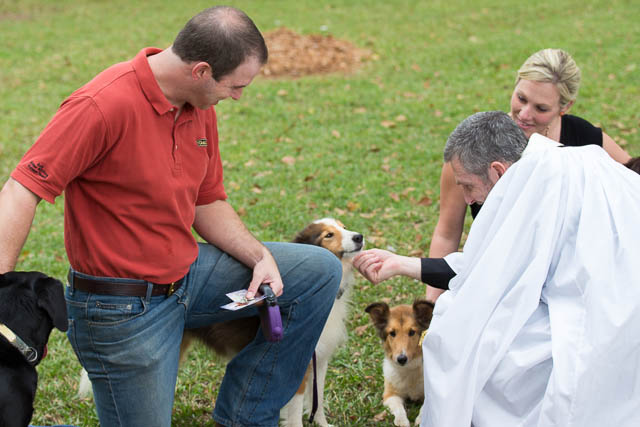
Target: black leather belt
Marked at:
126, 289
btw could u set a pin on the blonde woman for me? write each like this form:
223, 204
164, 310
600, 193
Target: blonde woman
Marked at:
546, 87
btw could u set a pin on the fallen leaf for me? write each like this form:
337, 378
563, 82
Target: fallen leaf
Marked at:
289, 160
353, 206
361, 329
394, 196
407, 190
425, 201
387, 123
335, 133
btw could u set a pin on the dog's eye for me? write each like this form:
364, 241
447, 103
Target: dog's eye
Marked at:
392, 333
412, 332
328, 235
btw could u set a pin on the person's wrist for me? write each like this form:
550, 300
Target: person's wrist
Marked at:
410, 266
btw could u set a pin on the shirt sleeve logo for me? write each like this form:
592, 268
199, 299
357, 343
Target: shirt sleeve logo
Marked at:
38, 169
202, 142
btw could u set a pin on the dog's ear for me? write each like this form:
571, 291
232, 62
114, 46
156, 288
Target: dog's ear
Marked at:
51, 299
423, 312
379, 313
310, 235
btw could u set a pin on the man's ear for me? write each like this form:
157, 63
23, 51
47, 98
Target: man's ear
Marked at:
496, 170
201, 70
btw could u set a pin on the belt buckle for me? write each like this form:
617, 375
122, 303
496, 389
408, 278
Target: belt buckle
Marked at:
171, 288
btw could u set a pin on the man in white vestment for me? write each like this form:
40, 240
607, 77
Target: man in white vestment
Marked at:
541, 325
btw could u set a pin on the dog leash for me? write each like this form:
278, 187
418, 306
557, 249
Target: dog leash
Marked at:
314, 405
30, 353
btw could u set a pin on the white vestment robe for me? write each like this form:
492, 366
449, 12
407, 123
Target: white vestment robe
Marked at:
541, 325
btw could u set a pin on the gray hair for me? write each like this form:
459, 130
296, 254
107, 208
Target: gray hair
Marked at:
483, 138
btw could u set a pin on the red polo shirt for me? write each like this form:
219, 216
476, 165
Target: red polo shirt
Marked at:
131, 173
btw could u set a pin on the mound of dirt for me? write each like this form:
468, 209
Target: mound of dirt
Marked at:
295, 55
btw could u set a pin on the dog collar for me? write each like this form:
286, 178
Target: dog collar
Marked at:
30, 353
422, 336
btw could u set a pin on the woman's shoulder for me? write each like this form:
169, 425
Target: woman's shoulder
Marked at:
576, 131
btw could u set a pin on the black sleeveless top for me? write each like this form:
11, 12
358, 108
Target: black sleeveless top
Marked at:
574, 132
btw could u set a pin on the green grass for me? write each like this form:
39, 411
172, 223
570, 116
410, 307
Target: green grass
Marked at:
437, 62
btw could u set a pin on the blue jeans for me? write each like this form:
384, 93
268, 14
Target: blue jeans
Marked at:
130, 345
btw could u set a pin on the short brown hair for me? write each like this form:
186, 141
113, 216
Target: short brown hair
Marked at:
223, 37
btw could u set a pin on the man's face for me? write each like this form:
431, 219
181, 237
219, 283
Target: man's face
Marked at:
229, 86
475, 188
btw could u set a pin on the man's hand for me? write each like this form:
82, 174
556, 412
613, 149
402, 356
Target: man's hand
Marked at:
378, 265
265, 271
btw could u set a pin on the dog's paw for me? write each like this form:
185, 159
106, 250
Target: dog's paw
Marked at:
401, 421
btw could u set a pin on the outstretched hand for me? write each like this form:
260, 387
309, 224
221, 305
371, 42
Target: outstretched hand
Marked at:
377, 265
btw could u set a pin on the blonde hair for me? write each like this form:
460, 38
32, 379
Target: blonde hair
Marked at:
553, 66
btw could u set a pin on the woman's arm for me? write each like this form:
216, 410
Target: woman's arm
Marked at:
448, 231
615, 151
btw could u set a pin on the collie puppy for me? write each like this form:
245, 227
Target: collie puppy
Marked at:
401, 328
228, 338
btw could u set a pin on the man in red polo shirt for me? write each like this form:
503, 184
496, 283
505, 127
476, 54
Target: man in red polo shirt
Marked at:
136, 152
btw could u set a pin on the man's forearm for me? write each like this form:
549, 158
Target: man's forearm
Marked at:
219, 224
17, 209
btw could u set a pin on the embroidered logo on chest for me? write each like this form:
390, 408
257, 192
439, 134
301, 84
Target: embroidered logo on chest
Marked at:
202, 142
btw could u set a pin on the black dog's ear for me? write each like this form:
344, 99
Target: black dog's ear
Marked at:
51, 299
379, 313
423, 312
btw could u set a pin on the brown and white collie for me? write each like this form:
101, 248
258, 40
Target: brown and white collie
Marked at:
228, 338
401, 328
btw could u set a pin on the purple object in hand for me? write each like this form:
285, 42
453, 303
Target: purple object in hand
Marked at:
270, 319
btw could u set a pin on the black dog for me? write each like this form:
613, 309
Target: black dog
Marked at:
31, 304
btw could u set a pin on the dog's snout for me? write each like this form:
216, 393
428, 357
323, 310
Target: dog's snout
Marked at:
402, 359
357, 238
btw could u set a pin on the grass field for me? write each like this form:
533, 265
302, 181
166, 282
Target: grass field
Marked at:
364, 147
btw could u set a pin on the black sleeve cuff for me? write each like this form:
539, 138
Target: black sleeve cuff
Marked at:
436, 272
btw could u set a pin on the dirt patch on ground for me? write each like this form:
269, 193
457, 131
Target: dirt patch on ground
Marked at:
294, 55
